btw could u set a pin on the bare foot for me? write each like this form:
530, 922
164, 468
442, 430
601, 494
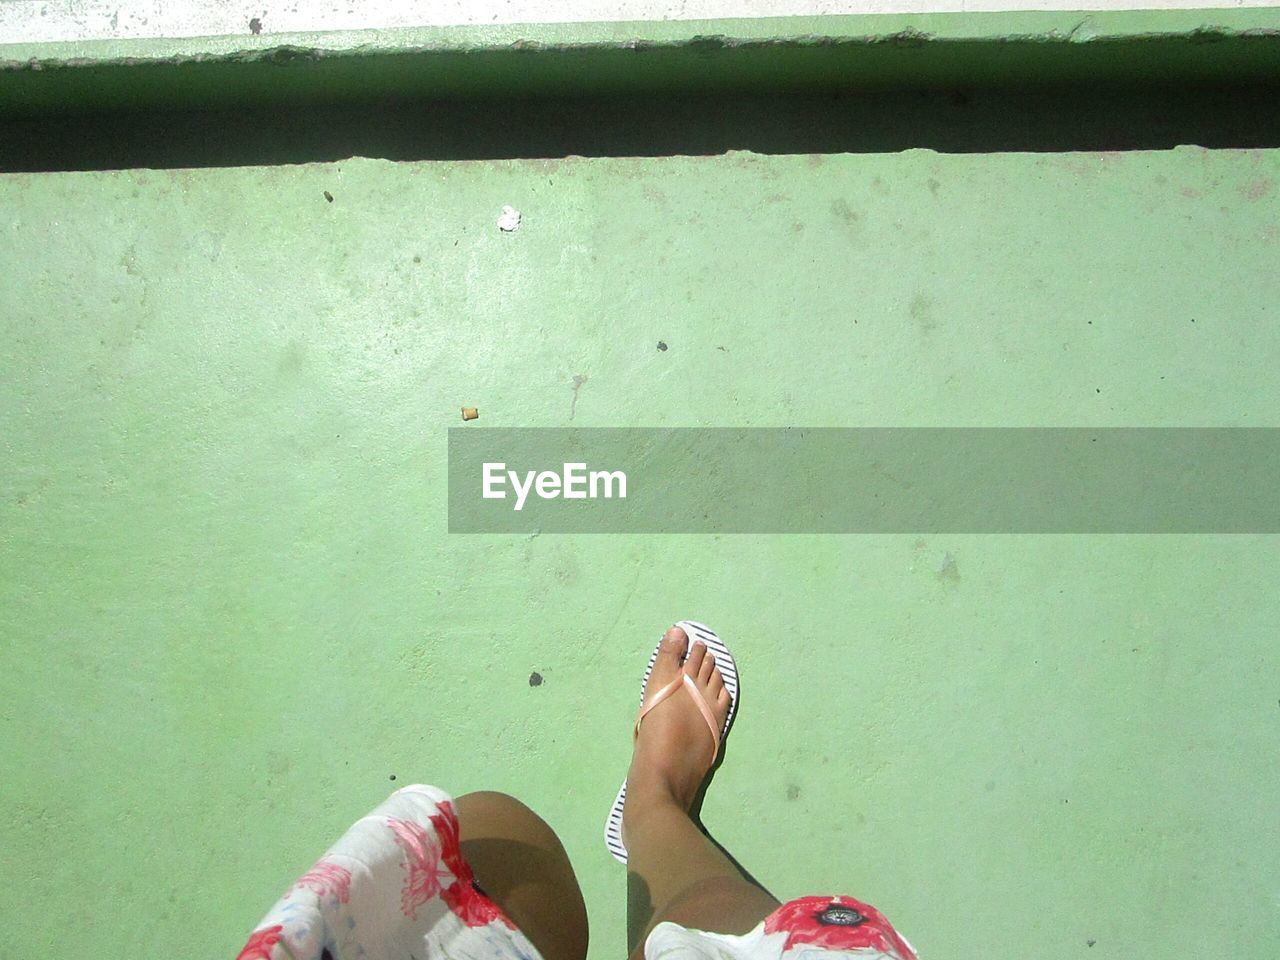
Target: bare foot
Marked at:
674, 750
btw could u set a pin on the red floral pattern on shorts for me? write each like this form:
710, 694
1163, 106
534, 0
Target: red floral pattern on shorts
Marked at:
326, 879
836, 923
429, 858
260, 943
422, 864
470, 905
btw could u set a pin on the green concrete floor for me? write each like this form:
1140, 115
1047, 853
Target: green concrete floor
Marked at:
230, 612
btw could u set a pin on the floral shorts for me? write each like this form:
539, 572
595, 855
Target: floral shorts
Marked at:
396, 887
811, 928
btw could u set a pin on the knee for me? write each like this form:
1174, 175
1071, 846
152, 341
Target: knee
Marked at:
493, 807
488, 813
490, 799
519, 861
488, 796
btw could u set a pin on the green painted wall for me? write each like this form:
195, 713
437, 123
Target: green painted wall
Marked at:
230, 612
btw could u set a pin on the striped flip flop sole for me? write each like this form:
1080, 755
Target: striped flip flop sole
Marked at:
728, 670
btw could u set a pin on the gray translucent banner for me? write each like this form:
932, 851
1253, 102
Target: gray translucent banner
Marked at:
880, 480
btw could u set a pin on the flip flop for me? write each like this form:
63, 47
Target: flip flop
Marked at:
728, 670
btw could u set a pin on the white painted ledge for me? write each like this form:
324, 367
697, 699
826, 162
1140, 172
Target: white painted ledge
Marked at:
41, 21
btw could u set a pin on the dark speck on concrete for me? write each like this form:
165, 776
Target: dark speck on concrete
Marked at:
841, 209
578, 380
417, 258
1090, 943
662, 345
255, 27
328, 196
922, 313
393, 776
535, 679
793, 792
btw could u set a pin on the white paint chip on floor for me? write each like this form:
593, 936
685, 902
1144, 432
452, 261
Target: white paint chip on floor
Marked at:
509, 221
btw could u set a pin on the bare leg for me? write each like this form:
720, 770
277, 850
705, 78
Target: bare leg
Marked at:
520, 863
672, 865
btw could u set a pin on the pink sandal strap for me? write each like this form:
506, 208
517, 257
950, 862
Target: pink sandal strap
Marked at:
657, 698
699, 700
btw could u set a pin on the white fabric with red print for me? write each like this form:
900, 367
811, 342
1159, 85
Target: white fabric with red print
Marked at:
811, 928
394, 886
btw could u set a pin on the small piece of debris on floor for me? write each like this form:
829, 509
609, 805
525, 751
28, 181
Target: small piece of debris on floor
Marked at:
509, 222
255, 26
470, 413
328, 196
578, 380
662, 345
1090, 943
947, 569
535, 679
